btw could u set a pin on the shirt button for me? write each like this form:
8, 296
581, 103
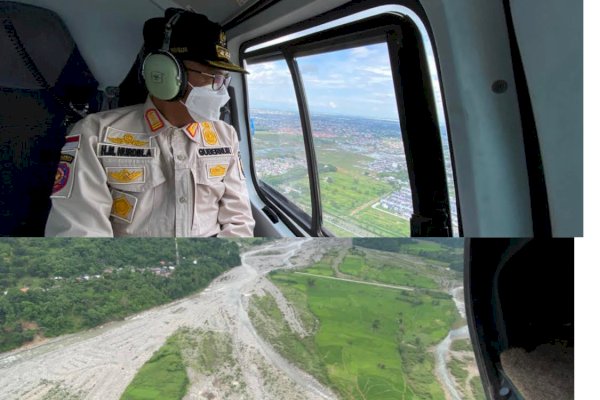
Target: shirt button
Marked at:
181, 157
182, 199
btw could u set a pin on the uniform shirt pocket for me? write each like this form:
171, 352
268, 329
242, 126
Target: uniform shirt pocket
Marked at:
211, 171
133, 175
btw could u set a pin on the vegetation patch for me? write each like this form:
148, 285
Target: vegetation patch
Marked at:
385, 273
477, 389
163, 377
459, 371
373, 341
51, 287
461, 345
271, 325
59, 391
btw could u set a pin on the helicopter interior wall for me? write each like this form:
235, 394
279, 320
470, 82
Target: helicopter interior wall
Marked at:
109, 32
550, 40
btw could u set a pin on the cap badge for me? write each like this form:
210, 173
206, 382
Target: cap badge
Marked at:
222, 52
223, 39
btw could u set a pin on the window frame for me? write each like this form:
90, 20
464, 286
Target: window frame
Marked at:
395, 31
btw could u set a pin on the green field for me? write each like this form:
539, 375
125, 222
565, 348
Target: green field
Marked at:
373, 341
382, 223
358, 267
319, 268
162, 377
348, 188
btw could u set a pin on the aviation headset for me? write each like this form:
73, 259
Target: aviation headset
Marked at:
164, 75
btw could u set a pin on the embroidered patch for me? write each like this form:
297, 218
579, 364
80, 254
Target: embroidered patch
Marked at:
153, 119
61, 176
118, 136
123, 206
65, 175
240, 166
126, 175
216, 170
71, 143
209, 134
109, 150
192, 130
216, 151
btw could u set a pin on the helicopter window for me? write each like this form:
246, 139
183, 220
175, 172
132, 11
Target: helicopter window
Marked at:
359, 146
363, 177
278, 144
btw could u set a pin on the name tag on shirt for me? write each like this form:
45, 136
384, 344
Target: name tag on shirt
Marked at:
109, 150
214, 151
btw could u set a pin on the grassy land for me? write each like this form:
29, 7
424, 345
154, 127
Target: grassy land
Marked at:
165, 376
162, 377
383, 223
372, 340
477, 389
459, 371
356, 266
270, 324
461, 345
320, 268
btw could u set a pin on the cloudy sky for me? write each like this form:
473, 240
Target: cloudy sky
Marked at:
354, 82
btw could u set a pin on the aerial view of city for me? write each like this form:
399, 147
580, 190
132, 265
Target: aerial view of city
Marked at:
365, 190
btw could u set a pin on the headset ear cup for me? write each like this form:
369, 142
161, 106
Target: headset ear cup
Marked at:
162, 74
184, 81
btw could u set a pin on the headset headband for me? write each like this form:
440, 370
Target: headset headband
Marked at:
168, 30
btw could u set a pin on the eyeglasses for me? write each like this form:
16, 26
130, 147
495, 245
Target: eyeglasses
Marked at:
218, 80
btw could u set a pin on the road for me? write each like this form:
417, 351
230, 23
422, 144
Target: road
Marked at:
442, 350
406, 288
100, 363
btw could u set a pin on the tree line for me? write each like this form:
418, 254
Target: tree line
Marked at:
43, 293
450, 250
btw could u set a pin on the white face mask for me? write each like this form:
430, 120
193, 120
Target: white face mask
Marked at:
204, 104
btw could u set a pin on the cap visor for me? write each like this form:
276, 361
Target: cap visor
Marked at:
227, 66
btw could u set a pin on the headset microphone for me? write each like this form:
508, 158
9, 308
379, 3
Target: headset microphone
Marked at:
164, 75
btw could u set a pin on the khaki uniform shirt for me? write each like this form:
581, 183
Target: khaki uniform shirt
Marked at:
129, 172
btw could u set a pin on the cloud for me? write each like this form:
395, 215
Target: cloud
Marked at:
360, 52
355, 81
382, 70
274, 73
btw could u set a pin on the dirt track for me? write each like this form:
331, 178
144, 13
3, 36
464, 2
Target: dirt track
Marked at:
100, 363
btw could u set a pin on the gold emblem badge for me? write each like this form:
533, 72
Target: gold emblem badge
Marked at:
126, 176
223, 39
122, 207
209, 134
217, 171
128, 139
